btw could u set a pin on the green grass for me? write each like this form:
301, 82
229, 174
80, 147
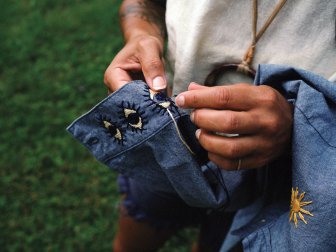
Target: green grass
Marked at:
54, 195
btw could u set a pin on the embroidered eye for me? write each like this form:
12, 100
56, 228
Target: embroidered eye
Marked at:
133, 117
112, 130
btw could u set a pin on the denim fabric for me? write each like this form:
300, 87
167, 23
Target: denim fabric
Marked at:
313, 169
132, 133
160, 210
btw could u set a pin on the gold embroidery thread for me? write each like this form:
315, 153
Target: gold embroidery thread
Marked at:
136, 121
296, 207
113, 130
164, 104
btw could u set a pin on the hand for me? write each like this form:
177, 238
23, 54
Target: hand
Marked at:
259, 114
143, 55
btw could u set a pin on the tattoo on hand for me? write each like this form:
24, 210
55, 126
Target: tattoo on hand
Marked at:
147, 11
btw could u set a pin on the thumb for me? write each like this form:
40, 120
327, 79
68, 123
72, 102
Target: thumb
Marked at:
153, 69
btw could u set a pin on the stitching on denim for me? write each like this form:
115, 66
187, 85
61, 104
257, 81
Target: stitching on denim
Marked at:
106, 159
221, 181
267, 239
112, 129
179, 133
133, 117
105, 101
159, 101
296, 205
314, 127
165, 105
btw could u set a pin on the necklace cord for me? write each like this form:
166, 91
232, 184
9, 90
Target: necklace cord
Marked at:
245, 65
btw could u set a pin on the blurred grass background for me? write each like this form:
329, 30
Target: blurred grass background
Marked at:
54, 195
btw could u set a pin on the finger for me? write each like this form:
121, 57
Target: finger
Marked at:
195, 86
228, 121
235, 97
117, 75
152, 65
229, 147
248, 162
116, 79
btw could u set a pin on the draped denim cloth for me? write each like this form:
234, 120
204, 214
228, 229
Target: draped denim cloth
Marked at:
132, 132
312, 170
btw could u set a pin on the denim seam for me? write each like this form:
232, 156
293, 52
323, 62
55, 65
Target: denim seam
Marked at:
267, 238
300, 110
249, 244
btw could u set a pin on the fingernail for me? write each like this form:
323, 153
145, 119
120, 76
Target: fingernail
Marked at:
180, 100
192, 116
159, 83
197, 133
194, 83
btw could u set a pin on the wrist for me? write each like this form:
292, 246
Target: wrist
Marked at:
141, 18
137, 34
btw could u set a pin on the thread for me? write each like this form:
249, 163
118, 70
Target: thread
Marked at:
178, 132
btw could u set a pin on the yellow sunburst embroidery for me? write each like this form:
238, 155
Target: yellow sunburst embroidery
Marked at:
296, 207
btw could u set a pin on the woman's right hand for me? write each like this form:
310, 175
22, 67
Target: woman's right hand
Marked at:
141, 55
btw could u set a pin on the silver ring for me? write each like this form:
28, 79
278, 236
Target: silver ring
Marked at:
239, 164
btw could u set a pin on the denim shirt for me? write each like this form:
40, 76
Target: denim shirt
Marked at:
312, 170
133, 132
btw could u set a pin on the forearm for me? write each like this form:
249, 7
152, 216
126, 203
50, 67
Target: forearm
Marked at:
143, 26
141, 17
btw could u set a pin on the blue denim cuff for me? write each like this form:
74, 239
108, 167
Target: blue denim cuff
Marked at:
132, 132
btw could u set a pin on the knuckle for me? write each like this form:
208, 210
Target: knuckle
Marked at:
222, 96
109, 78
273, 125
233, 121
148, 43
106, 77
154, 64
197, 117
268, 95
204, 142
149, 52
233, 150
145, 43
191, 99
